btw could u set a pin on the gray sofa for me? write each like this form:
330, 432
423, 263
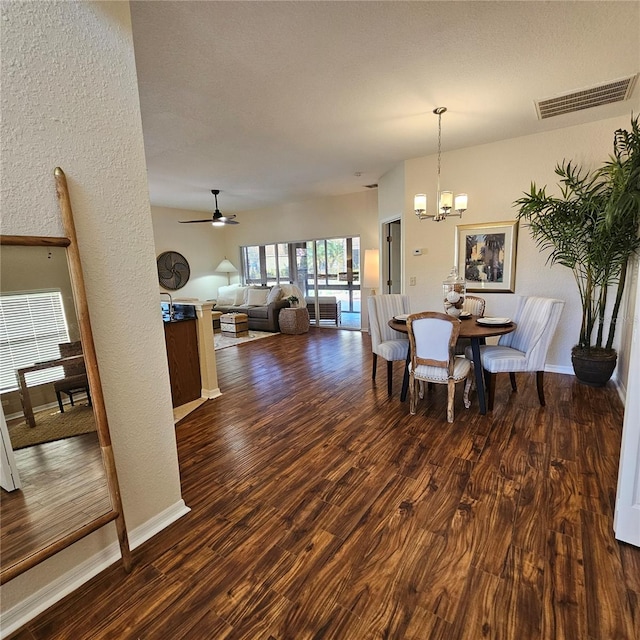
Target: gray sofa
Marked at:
261, 304
261, 317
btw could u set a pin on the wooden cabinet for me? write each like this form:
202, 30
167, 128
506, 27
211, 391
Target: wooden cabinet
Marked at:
184, 366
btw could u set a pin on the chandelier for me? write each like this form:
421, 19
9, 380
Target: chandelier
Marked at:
446, 203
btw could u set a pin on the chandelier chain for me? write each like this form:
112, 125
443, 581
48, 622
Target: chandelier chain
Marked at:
439, 146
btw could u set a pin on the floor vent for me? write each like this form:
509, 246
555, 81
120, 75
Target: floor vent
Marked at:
615, 91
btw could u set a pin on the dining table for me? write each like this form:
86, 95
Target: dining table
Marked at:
23, 385
470, 328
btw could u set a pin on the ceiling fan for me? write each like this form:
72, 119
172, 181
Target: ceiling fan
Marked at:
218, 220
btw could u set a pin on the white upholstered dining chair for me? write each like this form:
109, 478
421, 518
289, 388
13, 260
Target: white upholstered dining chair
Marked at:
475, 306
433, 336
524, 349
385, 342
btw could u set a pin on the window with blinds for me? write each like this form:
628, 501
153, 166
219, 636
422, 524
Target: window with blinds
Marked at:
32, 325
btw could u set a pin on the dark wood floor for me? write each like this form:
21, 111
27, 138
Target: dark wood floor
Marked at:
64, 487
322, 509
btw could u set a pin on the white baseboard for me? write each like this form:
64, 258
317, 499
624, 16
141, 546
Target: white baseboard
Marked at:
145, 531
38, 602
211, 393
556, 368
620, 388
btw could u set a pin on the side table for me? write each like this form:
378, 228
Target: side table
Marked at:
294, 320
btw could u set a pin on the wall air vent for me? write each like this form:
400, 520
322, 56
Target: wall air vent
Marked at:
616, 91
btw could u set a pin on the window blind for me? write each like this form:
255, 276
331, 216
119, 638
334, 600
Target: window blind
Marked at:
32, 325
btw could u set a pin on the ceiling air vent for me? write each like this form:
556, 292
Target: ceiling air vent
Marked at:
615, 91
371, 186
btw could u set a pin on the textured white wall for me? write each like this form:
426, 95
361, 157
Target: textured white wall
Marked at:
201, 244
69, 98
354, 214
391, 188
494, 175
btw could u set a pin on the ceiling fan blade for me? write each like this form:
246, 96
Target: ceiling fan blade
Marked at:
217, 219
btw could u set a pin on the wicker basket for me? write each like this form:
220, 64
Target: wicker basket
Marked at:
294, 320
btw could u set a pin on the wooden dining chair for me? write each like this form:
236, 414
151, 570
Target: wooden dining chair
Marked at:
433, 336
75, 375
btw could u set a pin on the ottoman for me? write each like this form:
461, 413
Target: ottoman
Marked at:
234, 325
294, 320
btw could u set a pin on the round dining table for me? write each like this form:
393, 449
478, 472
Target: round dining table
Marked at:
477, 333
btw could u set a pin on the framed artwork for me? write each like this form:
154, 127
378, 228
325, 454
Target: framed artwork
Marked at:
486, 256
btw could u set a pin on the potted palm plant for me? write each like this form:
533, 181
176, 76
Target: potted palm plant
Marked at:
593, 230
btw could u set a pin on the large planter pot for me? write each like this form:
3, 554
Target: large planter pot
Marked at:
594, 366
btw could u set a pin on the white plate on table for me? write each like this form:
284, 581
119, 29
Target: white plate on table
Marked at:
494, 322
401, 317
464, 315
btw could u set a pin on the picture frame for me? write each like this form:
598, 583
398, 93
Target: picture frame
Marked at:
486, 256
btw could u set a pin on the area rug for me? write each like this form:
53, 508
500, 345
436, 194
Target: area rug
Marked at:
52, 425
222, 342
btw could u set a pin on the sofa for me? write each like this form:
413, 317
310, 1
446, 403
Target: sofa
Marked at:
261, 304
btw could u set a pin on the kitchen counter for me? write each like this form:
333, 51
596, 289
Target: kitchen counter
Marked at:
181, 312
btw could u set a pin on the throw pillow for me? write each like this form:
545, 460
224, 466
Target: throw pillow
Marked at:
257, 297
274, 294
241, 296
227, 295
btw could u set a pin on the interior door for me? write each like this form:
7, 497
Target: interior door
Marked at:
393, 261
627, 515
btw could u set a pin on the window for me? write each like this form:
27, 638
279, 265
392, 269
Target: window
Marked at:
266, 264
32, 325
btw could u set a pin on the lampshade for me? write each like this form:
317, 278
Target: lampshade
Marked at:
446, 199
371, 278
226, 267
461, 202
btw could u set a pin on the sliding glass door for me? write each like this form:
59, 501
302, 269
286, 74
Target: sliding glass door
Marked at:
333, 272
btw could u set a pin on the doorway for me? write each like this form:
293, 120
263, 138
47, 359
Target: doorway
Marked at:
392, 258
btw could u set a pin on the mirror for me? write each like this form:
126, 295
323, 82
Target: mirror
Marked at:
56, 420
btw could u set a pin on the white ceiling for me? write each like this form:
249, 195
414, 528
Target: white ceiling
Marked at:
279, 101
